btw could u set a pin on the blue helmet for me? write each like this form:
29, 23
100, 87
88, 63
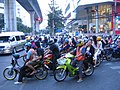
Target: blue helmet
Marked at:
66, 40
28, 44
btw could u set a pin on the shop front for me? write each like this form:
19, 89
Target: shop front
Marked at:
98, 16
116, 17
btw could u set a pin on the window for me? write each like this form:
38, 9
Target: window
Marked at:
13, 39
23, 37
17, 38
4, 38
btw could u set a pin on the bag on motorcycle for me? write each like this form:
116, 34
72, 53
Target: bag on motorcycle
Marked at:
80, 58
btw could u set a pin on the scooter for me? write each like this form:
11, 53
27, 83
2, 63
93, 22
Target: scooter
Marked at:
65, 68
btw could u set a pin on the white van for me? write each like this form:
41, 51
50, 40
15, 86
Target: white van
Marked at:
11, 42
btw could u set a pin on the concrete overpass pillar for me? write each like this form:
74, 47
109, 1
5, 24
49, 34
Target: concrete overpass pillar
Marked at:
10, 15
37, 26
97, 19
32, 22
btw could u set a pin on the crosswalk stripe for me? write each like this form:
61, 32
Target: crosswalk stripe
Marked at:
115, 67
108, 64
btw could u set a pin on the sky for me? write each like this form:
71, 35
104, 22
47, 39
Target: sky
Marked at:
44, 9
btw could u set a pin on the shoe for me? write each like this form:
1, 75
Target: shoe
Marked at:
17, 83
80, 80
94, 66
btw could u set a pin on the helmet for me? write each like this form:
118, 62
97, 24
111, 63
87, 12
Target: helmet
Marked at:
66, 40
37, 43
28, 44
80, 43
85, 40
99, 38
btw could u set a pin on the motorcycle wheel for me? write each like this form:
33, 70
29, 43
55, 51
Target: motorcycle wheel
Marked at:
90, 70
9, 74
109, 57
42, 73
60, 74
99, 61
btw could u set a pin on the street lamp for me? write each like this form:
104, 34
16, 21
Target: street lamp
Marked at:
53, 25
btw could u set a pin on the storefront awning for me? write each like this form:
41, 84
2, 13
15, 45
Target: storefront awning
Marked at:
88, 2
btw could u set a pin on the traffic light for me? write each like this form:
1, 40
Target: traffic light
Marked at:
38, 19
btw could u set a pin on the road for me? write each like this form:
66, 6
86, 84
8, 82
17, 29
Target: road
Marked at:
105, 77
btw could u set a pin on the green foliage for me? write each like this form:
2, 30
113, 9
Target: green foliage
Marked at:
21, 27
58, 18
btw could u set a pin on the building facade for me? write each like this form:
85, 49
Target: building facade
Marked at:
1, 7
93, 16
1, 15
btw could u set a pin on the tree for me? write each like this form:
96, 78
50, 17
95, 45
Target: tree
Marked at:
1, 21
58, 18
21, 27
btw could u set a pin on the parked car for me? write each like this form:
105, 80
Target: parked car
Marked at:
11, 42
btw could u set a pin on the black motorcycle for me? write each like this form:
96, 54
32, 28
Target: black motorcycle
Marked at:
115, 51
110, 52
106, 53
10, 72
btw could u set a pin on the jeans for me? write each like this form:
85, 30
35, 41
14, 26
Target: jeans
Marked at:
21, 74
79, 64
54, 60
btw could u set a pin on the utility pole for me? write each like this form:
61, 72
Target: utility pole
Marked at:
53, 12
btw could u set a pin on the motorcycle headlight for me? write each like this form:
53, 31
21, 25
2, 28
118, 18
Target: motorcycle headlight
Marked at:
61, 61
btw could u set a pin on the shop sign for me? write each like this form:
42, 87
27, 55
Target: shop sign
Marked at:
118, 23
117, 0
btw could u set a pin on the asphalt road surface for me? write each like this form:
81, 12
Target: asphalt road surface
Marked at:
105, 77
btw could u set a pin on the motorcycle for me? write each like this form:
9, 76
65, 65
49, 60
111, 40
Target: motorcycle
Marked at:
10, 72
115, 51
112, 51
65, 68
48, 61
106, 53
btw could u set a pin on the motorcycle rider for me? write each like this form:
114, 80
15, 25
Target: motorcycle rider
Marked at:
66, 46
80, 52
30, 53
53, 48
98, 49
90, 51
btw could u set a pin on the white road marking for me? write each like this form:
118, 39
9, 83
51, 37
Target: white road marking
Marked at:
115, 67
108, 64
